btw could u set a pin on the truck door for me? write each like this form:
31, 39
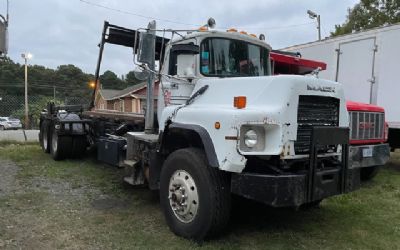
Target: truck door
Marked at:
355, 69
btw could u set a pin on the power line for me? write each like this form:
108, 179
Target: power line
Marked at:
138, 15
189, 24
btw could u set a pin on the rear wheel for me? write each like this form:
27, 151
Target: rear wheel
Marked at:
195, 198
45, 137
368, 173
60, 146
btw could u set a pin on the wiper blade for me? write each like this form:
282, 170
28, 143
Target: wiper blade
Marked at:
199, 92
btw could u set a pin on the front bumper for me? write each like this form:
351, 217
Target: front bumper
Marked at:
314, 183
358, 158
291, 190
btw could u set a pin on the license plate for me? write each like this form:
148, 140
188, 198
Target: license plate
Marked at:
367, 152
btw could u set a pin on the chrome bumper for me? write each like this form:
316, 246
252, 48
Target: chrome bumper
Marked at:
359, 157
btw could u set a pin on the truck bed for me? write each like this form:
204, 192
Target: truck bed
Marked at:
115, 115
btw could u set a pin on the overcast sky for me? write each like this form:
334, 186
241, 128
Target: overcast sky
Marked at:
60, 32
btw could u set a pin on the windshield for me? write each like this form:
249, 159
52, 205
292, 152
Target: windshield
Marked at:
229, 58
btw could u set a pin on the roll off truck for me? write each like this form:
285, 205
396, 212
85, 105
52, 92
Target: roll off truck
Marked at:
224, 125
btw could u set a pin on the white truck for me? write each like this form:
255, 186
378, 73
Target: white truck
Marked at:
224, 125
366, 63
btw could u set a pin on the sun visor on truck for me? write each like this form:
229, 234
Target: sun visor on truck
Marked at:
126, 37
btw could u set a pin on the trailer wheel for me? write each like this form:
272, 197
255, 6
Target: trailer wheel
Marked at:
45, 137
60, 146
195, 198
78, 146
368, 173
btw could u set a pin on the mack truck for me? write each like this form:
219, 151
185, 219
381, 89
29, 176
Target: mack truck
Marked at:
368, 148
224, 125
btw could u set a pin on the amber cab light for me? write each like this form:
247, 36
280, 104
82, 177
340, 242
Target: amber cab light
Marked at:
239, 102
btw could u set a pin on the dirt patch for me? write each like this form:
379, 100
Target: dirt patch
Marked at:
8, 172
109, 203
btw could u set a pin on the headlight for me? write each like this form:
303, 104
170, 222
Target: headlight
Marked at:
250, 138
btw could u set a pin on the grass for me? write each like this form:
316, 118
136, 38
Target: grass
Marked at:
81, 204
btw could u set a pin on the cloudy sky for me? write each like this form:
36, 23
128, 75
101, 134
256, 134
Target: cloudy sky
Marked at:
60, 32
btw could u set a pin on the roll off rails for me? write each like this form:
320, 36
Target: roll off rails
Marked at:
224, 124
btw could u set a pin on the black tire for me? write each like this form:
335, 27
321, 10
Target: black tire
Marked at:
2, 127
368, 173
213, 189
45, 137
311, 205
79, 145
60, 147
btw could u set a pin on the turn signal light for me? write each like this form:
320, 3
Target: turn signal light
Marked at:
231, 30
239, 102
243, 32
203, 28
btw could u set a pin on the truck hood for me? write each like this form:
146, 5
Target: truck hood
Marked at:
261, 91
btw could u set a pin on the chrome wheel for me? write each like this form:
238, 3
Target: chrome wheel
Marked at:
183, 196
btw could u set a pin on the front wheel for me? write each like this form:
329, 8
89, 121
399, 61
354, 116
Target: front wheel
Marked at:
2, 127
195, 198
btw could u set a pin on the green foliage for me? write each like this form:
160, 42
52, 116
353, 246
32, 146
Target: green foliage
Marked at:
35, 108
68, 80
110, 80
369, 14
131, 79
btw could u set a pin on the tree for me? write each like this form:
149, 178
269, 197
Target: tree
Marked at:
109, 80
369, 14
131, 78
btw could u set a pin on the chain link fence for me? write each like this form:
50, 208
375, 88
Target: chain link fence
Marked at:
14, 106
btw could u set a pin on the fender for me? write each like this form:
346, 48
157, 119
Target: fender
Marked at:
201, 132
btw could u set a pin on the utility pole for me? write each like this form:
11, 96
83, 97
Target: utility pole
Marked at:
54, 93
314, 15
26, 56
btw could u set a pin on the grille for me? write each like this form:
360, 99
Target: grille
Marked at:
366, 125
314, 111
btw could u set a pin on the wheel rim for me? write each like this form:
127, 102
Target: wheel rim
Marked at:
54, 142
183, 196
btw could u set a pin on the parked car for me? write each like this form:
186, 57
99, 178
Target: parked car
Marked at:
9, 123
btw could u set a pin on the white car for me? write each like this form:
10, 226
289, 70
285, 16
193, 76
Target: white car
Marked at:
9, 123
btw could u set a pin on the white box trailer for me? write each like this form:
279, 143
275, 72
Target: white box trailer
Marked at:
367, 64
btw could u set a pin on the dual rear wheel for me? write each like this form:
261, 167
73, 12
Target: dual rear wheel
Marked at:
61, 146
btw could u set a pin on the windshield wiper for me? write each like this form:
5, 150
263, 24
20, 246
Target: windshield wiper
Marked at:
199, 92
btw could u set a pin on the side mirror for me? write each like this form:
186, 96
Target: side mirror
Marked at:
140, 74
147, 45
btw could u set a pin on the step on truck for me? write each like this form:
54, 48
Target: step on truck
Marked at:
368, 148
224, 125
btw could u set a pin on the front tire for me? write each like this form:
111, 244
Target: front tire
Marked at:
2, 128
195, 198
368, 173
